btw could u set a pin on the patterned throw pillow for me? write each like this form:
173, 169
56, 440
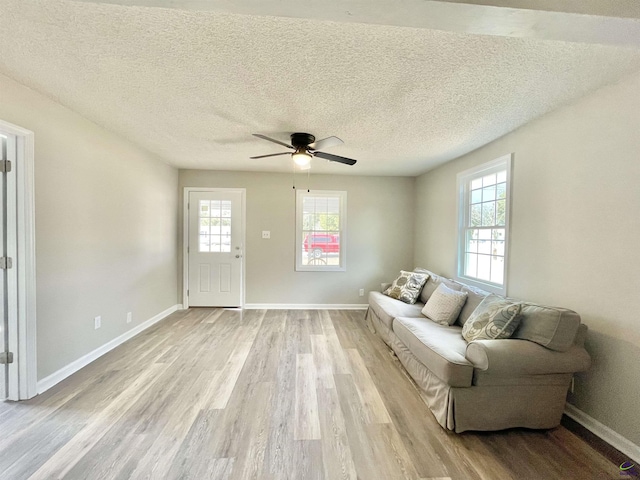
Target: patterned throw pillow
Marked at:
444, 305
407, 286
495, 317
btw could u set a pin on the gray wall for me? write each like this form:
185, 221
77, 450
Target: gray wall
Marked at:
575, 234
379, 234
106, 229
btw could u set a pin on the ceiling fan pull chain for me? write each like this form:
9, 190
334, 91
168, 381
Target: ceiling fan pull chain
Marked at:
309, 180
294, 176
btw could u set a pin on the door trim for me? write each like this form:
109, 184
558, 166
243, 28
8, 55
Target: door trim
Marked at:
23, 379
185, 237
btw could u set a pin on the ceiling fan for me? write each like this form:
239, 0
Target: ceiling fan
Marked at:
305, 147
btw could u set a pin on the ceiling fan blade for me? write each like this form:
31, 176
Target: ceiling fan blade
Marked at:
326, 143
272, 140
272, 155
335, 158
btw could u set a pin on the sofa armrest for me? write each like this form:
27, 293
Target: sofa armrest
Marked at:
384, 286
513, 357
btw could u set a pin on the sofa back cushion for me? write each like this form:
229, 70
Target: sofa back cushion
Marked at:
433, 283
474, 298
551, 327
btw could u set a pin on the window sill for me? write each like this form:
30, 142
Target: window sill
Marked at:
320, 268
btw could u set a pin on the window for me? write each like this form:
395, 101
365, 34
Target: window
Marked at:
483, 224
215, 226
321, 230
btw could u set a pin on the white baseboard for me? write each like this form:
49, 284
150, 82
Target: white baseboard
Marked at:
614, 439
56, 377
306, 306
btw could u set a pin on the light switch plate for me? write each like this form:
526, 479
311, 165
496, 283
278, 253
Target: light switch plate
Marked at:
266, 234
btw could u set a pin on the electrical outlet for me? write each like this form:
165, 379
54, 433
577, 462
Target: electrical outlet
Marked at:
361, 292
129, 317
97, 322
266, 234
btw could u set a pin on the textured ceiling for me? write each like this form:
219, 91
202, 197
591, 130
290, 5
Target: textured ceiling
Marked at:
192, 86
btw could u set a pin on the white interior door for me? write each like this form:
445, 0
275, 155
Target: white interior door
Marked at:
215, 250
4, 322
8, 279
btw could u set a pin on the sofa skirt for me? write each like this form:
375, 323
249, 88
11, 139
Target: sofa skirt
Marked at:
378, 327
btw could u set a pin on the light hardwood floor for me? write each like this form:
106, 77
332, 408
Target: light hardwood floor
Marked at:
225, 394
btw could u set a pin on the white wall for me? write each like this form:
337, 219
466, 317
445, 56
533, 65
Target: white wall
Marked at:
575, 234
106, 228
379, 239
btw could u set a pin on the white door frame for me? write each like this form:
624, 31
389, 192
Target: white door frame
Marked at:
185, 237
23, 373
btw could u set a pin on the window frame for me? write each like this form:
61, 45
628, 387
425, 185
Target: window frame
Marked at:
342, 232
463, 211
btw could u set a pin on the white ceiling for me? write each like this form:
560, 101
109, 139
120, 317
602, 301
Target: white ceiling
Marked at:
192, 85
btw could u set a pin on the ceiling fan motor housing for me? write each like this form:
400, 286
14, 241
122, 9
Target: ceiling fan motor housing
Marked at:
302, 139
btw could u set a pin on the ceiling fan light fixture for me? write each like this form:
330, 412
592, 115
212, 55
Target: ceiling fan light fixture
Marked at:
301, 157
305, 147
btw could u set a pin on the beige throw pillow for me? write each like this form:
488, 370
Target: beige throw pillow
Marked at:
495, 317
444, 305
407, 286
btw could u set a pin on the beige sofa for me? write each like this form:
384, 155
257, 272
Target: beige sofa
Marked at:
485, 384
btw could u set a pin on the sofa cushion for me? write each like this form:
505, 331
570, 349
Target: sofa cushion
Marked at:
551, 327
474, 298
444, 305
407, 286
433, 282
440, 348
496, 317
387, 308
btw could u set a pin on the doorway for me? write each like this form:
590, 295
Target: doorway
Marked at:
18, 369
214, 243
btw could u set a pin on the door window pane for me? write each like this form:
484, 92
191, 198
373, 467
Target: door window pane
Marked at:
226, 209
215, 208
215, 226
